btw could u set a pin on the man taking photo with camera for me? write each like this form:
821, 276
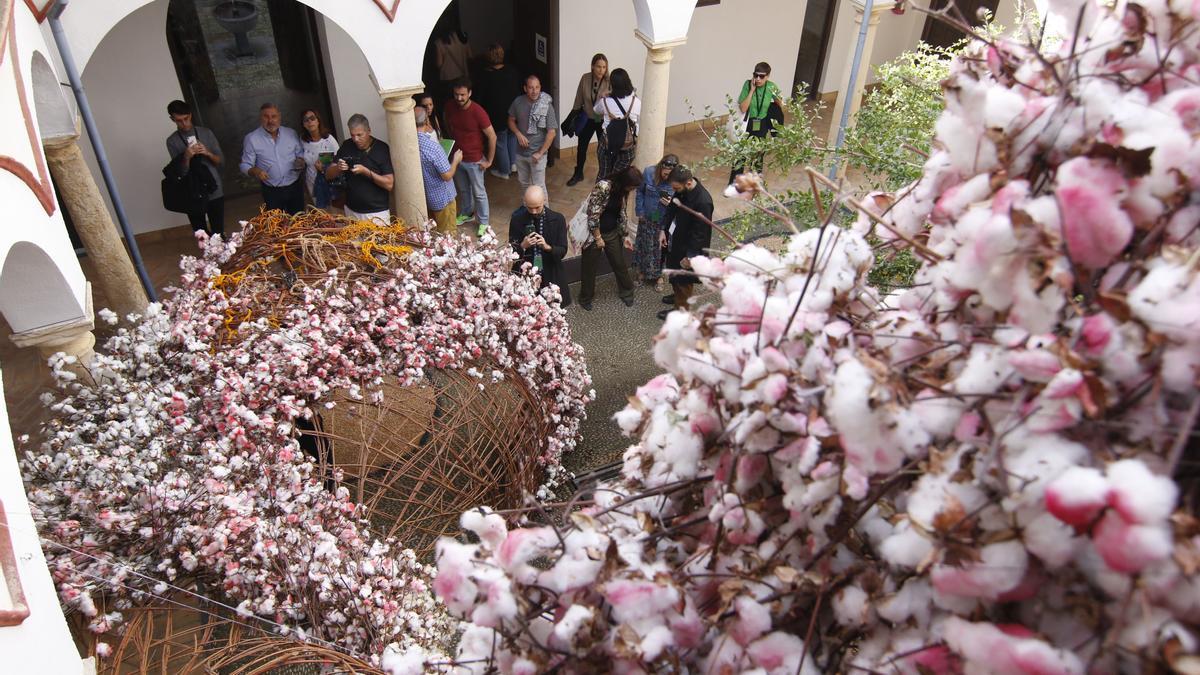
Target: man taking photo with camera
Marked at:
367, 164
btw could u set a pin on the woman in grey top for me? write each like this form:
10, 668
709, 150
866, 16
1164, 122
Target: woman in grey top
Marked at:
191, 144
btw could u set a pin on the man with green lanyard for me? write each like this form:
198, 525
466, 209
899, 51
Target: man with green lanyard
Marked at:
758, 93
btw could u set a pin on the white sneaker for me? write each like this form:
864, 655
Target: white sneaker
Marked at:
497, 174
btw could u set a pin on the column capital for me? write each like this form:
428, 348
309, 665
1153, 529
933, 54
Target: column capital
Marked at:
400, 99
55, 143
878, 7
61, 333
660, 48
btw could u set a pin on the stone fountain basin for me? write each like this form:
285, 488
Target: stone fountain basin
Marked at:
236, 16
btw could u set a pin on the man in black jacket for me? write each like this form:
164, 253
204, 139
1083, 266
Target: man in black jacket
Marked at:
539, 236
689, 217
190, 146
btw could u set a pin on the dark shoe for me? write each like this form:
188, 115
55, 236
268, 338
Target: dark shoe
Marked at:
586, 305
662, 314
628, 302
668, 299
575, 179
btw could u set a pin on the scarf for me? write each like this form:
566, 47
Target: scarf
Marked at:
538, 113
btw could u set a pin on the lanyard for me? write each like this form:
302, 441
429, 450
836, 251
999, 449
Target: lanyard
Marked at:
760, 96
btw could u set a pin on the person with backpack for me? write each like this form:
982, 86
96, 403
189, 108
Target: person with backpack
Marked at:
761, 105
618, 132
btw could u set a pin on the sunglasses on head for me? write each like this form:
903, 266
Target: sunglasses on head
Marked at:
670, 164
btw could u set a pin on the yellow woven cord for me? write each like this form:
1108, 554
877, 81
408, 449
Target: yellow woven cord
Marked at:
306, 245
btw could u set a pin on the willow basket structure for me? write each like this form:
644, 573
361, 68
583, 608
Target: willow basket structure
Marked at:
424, 454
176, 635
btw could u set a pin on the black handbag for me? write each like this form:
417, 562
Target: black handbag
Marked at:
569, 124
181, 192
176, 190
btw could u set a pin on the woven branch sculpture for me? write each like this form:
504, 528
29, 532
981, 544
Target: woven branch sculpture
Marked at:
179, 636
416, 455
297, 424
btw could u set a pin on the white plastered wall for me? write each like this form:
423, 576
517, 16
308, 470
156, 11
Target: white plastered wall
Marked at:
41, 644
711, 65
351, 89
61, 298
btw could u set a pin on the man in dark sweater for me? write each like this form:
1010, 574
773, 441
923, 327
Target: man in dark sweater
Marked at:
689, 218
367, 161
539, 236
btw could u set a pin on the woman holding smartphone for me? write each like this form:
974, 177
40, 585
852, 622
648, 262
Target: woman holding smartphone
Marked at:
319, 148
648, 204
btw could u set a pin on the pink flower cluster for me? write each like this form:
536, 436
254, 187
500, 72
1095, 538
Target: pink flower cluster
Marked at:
181, 467
974, 474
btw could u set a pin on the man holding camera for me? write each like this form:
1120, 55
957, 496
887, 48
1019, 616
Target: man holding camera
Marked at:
539, 237
273, 155
367, 163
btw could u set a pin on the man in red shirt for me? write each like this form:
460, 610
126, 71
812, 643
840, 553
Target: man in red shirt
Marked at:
468, 124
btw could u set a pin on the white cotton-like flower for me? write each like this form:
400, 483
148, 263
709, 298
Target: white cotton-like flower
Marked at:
488, 526
575, 618
906, 548
1139, 495
852, 607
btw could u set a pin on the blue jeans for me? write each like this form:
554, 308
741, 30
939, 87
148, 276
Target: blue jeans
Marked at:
473, 200
506, 151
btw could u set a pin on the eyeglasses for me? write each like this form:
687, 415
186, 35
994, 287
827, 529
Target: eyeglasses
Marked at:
759, 76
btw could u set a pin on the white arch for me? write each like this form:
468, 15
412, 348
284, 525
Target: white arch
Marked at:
664, 20
34, 293
394, 49
55, 116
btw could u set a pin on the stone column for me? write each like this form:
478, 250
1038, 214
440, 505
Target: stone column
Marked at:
656, 85
854, 98
74, 338
114, 271
408, 192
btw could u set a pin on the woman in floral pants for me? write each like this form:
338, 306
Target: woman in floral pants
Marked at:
647, 251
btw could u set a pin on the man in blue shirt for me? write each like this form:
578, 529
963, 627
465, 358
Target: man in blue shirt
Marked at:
273, 155
437, 172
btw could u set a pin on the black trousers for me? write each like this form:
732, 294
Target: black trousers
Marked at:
289, 198
214, 210
585, 137
614, 250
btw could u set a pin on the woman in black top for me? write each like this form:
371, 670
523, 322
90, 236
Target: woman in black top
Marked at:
607, 235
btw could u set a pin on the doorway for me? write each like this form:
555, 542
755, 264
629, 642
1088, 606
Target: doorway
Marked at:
233, 56
940, 34
814, 43
525, 28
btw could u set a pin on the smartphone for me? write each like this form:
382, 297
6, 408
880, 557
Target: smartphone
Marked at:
191, 140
